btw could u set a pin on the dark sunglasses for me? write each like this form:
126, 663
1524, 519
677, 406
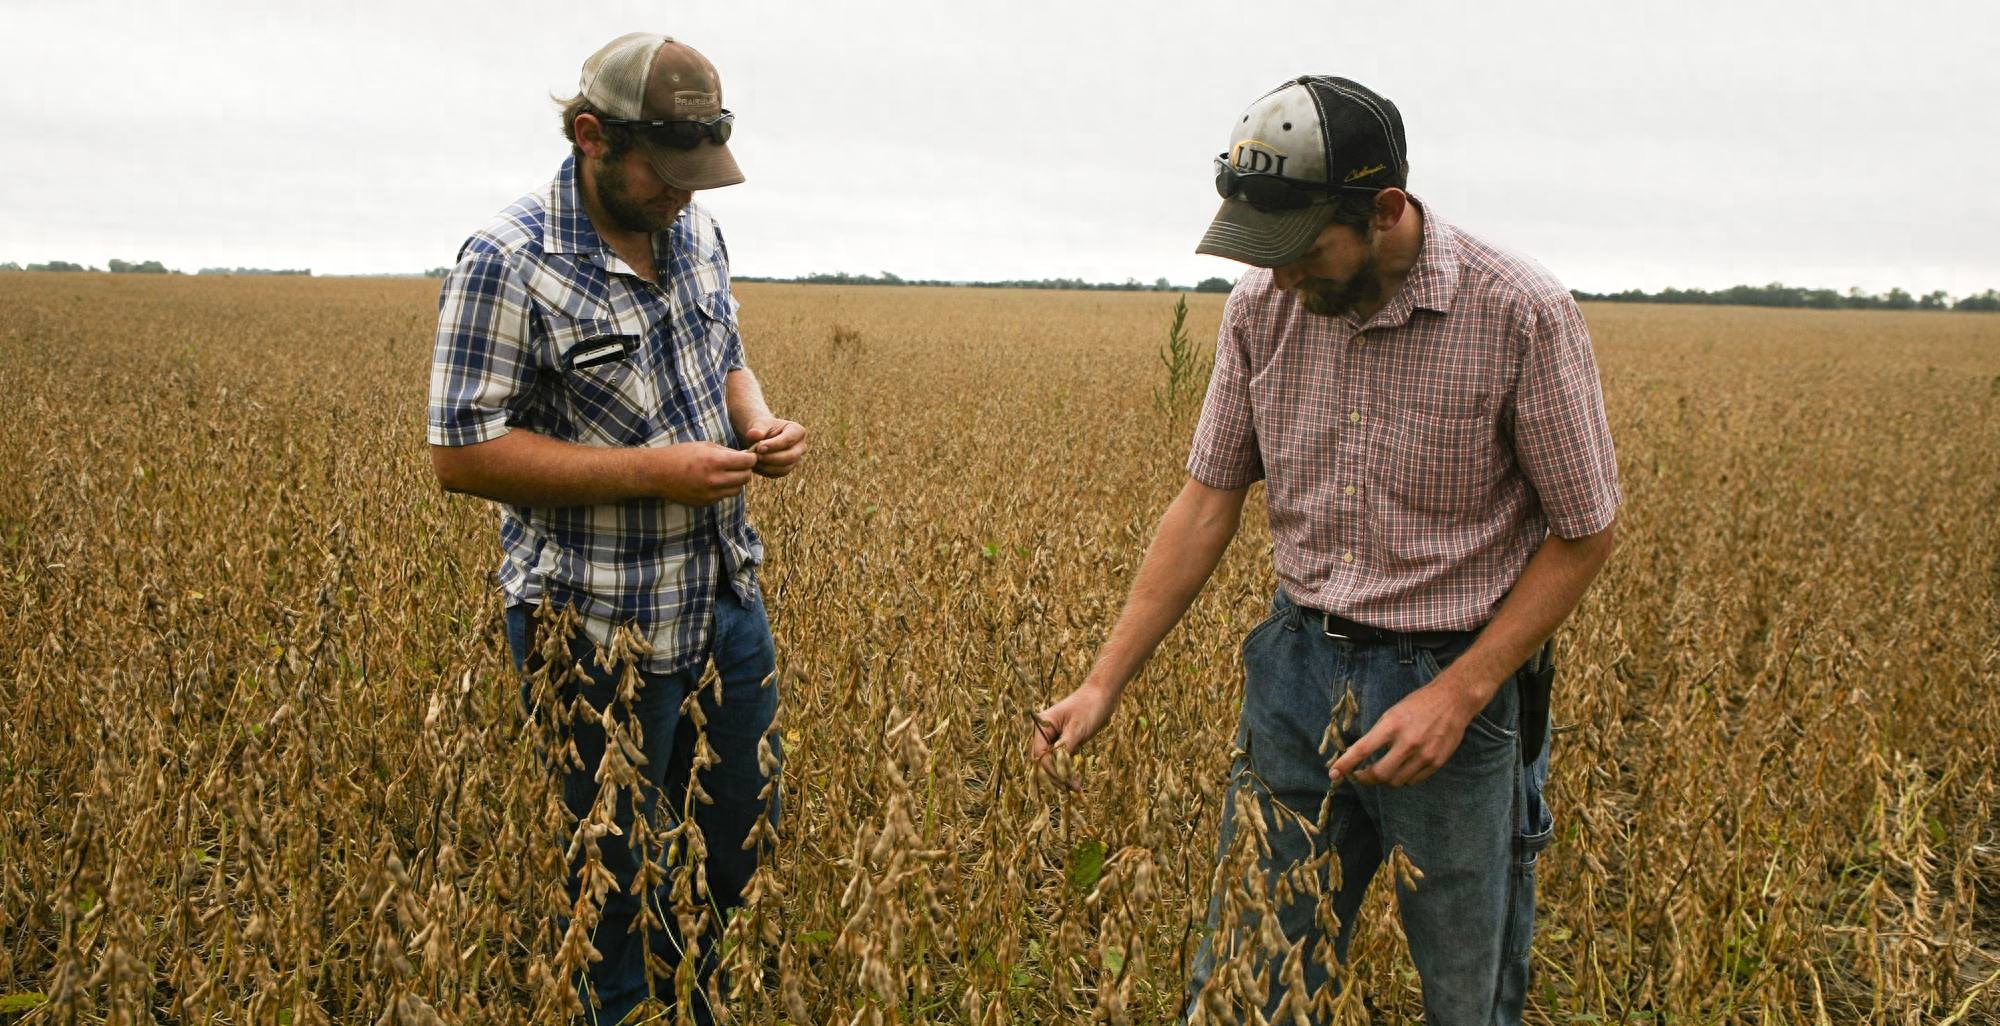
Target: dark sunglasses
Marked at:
680, 135
1273, 193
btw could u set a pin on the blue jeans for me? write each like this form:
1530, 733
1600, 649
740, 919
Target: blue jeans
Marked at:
744, 658
1473, 829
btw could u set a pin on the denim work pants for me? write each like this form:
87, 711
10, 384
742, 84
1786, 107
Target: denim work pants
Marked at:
1474, 828
744, 658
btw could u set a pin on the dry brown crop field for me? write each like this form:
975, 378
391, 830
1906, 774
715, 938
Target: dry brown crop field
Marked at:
262, 761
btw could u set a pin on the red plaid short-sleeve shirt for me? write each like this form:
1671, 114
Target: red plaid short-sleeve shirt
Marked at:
1416, 461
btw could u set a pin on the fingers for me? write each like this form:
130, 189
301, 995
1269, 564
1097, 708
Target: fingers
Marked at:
1051, 751
1351, 761
777, 444
1046, 733
1416, 774
719, 473
1376, 759
1055, 765
1391, 769
730, 472
733, 460
1396, 761
779, 436
781, 449
777, 468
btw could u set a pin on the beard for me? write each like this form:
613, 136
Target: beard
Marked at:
1329, 298
625, 212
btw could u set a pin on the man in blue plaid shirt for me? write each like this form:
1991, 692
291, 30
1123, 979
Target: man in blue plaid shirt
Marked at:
589, 377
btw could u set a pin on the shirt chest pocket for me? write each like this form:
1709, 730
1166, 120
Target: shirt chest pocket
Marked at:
607, 388
1445, 458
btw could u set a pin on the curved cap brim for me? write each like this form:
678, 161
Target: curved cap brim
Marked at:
1242, 232
708, 166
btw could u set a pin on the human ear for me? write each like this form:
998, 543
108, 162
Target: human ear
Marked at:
1390, 205
590, 136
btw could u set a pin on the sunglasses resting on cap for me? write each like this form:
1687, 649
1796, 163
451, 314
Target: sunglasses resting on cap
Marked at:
679, 134
1271, 193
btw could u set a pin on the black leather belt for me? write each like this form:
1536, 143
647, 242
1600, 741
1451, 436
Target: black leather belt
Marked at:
1343, 629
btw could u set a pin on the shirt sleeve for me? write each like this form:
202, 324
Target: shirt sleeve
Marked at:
733, 358
1562, 439
733, 349
1225, 454
482, 363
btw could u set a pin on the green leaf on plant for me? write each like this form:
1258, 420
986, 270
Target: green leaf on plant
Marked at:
1086, 864
1114, 959
1017, 975
816, 937
25, 1002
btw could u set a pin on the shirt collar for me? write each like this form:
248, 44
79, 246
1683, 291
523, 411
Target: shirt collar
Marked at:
568, 228
1434, 280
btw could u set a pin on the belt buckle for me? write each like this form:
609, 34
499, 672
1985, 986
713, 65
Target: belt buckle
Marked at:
1326, 628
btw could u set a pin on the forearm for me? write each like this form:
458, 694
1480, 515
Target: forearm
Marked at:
745, 399
522, 468
1550, 586
1189, 543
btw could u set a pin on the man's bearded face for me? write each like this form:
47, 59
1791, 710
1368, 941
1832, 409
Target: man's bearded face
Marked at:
1329, 297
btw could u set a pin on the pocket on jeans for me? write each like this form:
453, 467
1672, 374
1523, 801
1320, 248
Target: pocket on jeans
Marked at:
1268, 622
1492, 722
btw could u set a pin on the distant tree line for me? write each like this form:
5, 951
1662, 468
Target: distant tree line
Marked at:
1782, 295
1073, 284
117, 266
53, 265
1775, 294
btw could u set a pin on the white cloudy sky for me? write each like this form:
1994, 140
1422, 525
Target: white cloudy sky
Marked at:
1634, 144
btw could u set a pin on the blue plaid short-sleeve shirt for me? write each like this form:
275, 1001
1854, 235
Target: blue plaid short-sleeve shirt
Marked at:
542, 327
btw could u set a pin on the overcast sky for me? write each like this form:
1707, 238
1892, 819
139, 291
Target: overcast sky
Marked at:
1620, 144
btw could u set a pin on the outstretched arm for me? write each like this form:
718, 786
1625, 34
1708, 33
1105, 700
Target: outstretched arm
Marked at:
1189, 542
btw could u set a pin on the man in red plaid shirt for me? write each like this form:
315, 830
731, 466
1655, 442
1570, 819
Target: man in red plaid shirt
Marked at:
1426, 413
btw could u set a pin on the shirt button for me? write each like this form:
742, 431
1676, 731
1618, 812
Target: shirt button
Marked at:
1347, 557
1348, 490
1355, 416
